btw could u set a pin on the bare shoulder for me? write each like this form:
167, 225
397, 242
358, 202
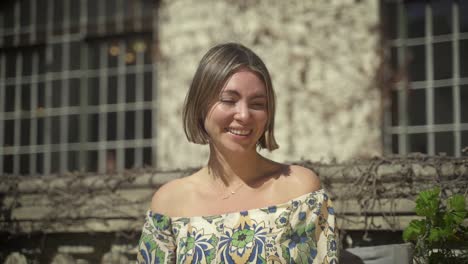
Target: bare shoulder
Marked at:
300, 180
171, 198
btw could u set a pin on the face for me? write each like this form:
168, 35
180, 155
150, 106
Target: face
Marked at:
237, 119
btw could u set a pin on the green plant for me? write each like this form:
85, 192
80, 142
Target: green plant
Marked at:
442, 235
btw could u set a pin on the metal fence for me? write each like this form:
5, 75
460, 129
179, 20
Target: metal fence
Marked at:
77, 91
428, 50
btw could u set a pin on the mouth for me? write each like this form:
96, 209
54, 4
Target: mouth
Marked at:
238, 131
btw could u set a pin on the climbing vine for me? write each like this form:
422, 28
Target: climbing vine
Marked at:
84, 203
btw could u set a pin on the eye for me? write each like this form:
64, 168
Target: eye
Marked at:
258, 105
227, 101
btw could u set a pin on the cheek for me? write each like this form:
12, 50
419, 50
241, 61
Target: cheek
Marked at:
262, 120
217, 117
263, 117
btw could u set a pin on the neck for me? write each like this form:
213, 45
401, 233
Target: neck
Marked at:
233, 169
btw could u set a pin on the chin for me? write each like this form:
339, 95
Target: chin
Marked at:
242, 149
238, 148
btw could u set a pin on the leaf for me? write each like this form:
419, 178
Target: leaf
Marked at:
456, 211
427, 203
416, 228
452, 219
437, 235
442, 229
456, 203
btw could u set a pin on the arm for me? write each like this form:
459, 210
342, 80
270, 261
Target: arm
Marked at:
156, 244
326, 233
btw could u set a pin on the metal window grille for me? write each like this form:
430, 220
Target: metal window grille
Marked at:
76, 86
428, 50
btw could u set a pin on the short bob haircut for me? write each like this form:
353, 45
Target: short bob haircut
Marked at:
215, 68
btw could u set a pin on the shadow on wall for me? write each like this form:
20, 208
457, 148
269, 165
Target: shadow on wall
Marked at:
348, 257
385, 254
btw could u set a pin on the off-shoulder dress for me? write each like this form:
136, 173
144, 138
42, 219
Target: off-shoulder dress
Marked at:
301, 230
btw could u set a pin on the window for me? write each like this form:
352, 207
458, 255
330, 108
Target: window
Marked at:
427, 48
76, 86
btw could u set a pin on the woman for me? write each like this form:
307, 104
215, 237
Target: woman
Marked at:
240, 207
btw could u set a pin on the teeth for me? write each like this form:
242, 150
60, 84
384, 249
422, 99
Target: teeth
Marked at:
239, 132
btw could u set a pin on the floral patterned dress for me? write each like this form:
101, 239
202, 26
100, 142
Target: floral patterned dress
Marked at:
301, 230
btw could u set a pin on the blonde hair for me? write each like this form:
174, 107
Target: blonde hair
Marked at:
215, 68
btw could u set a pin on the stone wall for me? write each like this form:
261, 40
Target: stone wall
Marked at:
323, 59
98, 218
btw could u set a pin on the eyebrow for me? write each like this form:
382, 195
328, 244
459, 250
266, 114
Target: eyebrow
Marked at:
233, 92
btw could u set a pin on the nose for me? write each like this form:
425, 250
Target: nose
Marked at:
242, 112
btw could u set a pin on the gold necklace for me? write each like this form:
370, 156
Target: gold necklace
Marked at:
232, 192
227, 193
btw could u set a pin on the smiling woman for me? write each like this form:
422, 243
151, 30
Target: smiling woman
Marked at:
211, 78
240, 207
239, 117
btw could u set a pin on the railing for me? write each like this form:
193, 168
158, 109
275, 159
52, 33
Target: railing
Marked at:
371, 194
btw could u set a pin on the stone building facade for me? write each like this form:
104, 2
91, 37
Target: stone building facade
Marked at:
328, 64
323, 58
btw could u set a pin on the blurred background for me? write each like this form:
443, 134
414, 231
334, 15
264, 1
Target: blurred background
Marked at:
91, 94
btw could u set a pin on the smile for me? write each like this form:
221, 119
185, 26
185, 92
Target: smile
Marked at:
239, 132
